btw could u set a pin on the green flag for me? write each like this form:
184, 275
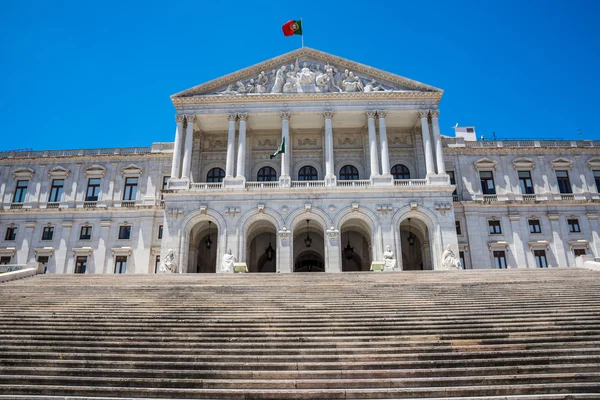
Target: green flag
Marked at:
280, 150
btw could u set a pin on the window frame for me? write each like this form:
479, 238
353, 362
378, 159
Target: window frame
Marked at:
95, 195
262, 176
494, 223
20, 191
499, 257
88, 236
126, 228
532, 224
120, 264
580, 250
213, 177
308, 173
80, 267
458, 227
541, 261
485, 189
13, 231
573, 224
160, 232
48, 233
596, 173
56, 191
348, 172
129, 189
564, 182
5, 260
403, 174
525, 189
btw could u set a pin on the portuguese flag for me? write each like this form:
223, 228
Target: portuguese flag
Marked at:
280, 150
292, 27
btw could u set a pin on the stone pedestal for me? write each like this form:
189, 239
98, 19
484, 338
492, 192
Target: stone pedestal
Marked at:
240, 267
378, 266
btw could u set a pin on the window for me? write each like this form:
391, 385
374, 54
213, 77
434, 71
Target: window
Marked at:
266, 174
487, 182
56, 190
157, 264
525, 182
93, 189
564, 184
597, 179
85, 233
400, 172
11, 233
124, 231
470, 130
120, 264
215, 175
495, 228
4, 260
500, 259
43, 260
452, 181
534, 226
80, 264
458, 230
48, 233
540, 258
165, 182
20, 192
160, 231
307, 173
130, 191
348, 173
579, 252
461, 256
573, 225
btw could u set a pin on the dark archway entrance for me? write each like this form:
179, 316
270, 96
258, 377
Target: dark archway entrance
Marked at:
202, 256
309, 261
415, 244
309, 247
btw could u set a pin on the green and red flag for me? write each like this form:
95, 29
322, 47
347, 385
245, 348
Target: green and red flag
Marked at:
292, 27
280, 150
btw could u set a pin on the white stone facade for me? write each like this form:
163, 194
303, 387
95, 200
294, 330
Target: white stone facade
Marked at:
364, 167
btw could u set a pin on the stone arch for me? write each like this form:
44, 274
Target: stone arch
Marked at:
314, 164
414, 172
430, 220
367, 216
207, 167
188, 223
355, 163
296, 221
265, 163
247, 220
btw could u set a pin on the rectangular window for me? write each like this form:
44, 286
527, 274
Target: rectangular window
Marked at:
597, 179
120, 264
452, 181
458, 230
564, 184
487, 182
579, 252
130, 191
93, 189
11, 233
80, 264
43, 260
85, 233
494, 227
500, 259
157, 264
525, 182
56, 190
534, 226
4, 260
461, 255
573, 225
160, 231
165, 182
124, 231
48, 233
540, 258
20, 192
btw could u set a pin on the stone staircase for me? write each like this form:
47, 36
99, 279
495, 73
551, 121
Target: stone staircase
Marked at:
509, 334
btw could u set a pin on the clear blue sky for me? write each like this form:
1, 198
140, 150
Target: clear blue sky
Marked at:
83, 74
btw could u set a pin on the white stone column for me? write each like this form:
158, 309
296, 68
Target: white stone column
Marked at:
374, 161
383, 142
518, 248
102, 248
188, 147
330, 178
175, 167
285, 179
230, 145
437, 140
560, 253
426, 142
241, 154
595, 229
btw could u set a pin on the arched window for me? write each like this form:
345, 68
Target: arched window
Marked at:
215, 175
348, 173
307, 173
400, 172
266, 174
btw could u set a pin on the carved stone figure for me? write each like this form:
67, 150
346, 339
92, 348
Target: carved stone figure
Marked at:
351, 83
241, 88
388, 258
373, 86
262, 82
279, 80
250, 87
169, 265
306, 76
449, 259
289, 86
227, 262
229, 91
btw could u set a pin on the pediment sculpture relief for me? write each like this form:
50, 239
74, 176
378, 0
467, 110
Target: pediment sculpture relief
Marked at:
306, 76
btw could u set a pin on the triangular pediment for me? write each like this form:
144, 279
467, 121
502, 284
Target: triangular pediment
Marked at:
306, 71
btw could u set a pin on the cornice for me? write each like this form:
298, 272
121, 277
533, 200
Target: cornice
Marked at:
520, 150
85, 159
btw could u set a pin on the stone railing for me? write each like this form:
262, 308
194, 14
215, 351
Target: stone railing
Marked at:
90, 204
490, 198
526, 143
410, 182
53, 204
76, 153
357, 183
567, 197
206, 186
307, 184
262, 185
529, 198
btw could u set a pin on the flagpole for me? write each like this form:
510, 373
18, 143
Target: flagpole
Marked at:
302, 25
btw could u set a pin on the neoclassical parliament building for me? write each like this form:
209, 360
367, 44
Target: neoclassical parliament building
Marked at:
363, 169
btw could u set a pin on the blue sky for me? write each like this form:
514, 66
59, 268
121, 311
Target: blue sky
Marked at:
83, 74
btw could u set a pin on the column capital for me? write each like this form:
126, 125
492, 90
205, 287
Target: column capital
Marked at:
328, 114
423, 113
434, 113
242, 116
371, 113
179, 118
231, 117
190, 118
285, 115
381, 113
